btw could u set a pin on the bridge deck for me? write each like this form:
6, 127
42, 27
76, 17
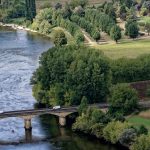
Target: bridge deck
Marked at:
21, 113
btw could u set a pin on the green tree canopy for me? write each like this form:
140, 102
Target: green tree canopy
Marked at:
79, 71
59, 38
115, 33
132, 29
123, 99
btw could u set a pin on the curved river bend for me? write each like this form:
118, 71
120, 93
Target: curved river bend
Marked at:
19, 56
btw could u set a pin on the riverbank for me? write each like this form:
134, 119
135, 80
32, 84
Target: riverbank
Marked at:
17, 27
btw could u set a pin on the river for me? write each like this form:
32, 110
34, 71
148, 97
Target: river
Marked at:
19, 57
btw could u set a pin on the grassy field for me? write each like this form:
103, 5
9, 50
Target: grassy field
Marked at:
137, 121
143, 118
126, 48
91, 2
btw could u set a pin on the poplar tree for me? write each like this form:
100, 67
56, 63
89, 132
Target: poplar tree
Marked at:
30, 9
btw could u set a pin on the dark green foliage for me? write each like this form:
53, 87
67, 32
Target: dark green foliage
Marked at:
127, 3
12, 9
122, 12
83, 105
127, 137
115, 33
92, 121
131, 70
142, 130
80, 71
79, 11
58, 6
148, 92
132, 29
58, 18
109, 9
100, 20
59, 38
66, 11
91, 29
96, 34
75, 3
123, 99
30, 9
79, 37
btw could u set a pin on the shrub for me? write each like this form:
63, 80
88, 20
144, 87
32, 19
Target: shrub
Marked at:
113, 131
141, 143
142, 130
127, 137
82, 124
131, 70
97, 130
115, 33
59, 38
83, 106
132, 29
79, 37
123, 99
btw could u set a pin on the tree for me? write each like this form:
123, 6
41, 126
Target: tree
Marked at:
122, 12
142, 130
78, 70
115, 33
113, 131
59, 38
127, 3
96, 34
133, 30
147, 24
141, 143
75, 3
127, 137
58, 6
30, 9
83, 106
79, 37
67, 11
79, 11
123, 99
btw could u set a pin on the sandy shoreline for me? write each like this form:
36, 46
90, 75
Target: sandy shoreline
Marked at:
17, 27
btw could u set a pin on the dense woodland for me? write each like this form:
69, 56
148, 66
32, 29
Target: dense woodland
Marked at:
10, 9
77, 74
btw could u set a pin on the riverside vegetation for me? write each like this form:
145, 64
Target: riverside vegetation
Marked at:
75, 74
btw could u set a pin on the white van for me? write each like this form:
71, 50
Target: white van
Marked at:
1, 112
56, 107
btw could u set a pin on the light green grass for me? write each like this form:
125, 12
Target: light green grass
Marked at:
126, 48
137, 121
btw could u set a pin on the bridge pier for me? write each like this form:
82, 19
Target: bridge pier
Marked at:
28, 135
62, 121
27, 124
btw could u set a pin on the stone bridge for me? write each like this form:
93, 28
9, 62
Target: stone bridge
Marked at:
62, 113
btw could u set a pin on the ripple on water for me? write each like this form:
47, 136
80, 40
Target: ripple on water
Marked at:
19, 53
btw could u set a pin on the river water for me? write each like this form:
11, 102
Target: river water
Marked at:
19, 57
